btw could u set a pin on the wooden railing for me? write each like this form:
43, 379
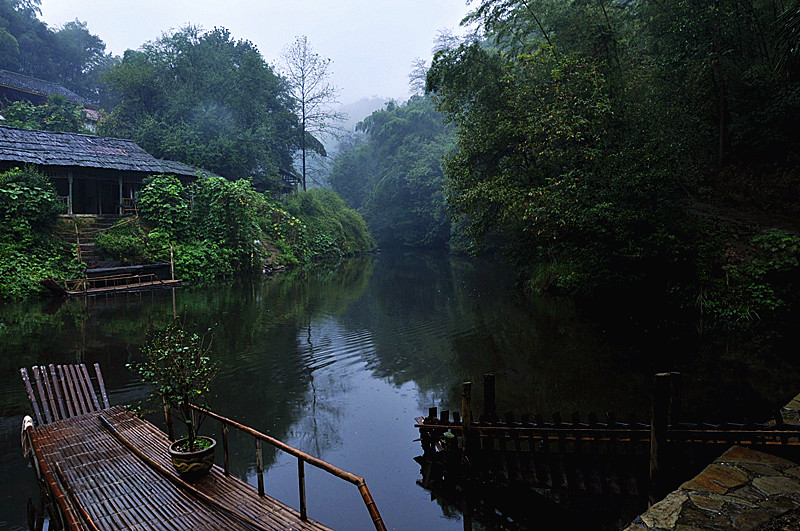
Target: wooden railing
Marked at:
301, 456
110, 281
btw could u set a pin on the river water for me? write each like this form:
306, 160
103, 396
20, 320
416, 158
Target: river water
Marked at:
338, 361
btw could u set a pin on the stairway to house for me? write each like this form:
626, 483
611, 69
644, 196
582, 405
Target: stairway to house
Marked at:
83, 230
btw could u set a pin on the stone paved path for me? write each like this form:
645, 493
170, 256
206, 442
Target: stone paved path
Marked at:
741, 490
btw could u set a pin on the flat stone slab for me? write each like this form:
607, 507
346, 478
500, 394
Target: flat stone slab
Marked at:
791, 411
742, 489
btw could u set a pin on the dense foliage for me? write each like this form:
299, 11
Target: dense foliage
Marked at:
393, 174
333, 229
57, 114
203, 98
219, 228
587, 134
28, 251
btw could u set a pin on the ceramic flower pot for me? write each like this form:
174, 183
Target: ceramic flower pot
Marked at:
192, 465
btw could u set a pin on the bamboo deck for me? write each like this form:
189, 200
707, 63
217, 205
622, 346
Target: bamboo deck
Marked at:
100, 484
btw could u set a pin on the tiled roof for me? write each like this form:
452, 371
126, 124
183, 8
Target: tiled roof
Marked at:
39, 86
47, 148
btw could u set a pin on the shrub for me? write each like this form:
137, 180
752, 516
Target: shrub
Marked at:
28, 205
164, 203
334, 229
202, 262
124, 242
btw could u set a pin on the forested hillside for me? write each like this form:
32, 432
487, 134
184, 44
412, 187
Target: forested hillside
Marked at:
608, 147
392, 173
69, 55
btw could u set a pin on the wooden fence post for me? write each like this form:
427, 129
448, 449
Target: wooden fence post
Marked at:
659, 420
675, 410
466, 415
489, 398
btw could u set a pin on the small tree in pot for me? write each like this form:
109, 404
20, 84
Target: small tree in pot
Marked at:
176, 362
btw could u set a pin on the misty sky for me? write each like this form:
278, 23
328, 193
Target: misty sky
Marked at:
372, 43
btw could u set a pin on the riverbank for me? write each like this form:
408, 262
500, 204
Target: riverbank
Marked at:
211, 229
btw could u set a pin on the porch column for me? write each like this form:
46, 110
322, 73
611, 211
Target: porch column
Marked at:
69, 198
120, 196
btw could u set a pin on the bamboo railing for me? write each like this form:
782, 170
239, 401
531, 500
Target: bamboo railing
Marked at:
301, 456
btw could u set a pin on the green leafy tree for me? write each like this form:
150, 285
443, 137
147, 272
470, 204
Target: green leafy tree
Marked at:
70, 55
203, 98
57, 114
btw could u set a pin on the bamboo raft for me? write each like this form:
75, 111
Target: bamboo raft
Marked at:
101, 467
109, 284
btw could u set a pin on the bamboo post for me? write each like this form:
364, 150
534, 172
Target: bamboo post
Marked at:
301, 482
466, 416
171, 262
226, 466
658, 435
489, 398
168, 419
259, 467
675, 398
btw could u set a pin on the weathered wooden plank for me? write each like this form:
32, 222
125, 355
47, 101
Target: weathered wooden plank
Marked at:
102, 385
90, 388
68, 400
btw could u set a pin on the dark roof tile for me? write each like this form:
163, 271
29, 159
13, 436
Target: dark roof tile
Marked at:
47, 148
39, 86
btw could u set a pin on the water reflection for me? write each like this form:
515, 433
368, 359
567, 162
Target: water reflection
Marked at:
339, 360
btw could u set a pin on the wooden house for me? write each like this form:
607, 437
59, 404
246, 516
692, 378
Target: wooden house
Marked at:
17, 87
92, 174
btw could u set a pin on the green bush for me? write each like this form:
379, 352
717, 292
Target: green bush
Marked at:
230, 229
761, 284
28, 205
29, 253
334, 230
124, 242
201, 262
164, 203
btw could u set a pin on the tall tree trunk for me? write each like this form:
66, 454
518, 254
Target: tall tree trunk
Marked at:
303, 144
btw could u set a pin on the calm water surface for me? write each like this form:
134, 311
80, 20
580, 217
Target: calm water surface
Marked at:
339, 361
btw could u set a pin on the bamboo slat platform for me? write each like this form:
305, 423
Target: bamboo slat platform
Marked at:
102, 467
106, 486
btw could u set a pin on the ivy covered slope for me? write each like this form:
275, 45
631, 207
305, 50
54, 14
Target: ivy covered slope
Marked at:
29, 251
219, 228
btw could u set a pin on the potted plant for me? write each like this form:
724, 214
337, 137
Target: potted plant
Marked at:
176, 362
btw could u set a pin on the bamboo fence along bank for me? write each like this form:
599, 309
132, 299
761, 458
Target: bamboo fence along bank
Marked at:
597, 456
101, 467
